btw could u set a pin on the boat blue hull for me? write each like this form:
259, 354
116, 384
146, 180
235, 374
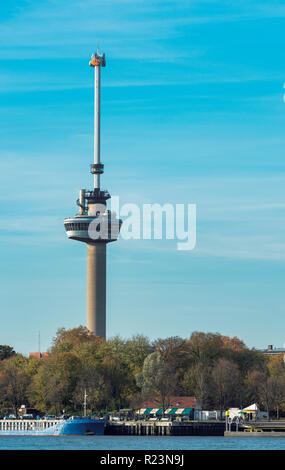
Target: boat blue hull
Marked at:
74, 426
82, 427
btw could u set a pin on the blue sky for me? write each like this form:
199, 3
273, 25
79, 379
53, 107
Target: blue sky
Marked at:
192, 112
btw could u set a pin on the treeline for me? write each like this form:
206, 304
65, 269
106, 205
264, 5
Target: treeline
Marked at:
221, 372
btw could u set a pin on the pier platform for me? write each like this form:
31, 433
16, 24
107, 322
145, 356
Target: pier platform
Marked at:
254, 434
258, 429
166, 428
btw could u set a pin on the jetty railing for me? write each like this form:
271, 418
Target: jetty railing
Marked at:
26, 424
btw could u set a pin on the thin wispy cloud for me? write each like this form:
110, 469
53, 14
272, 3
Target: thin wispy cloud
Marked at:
258, 248
192, 112
49, 27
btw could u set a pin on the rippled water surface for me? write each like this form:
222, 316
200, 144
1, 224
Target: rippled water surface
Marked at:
139, 443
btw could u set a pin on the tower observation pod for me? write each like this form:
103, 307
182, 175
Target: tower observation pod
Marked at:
94, 224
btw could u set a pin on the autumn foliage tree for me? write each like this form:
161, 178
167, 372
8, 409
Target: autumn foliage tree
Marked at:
218, 370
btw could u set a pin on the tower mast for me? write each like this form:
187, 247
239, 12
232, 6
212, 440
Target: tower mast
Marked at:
97, 61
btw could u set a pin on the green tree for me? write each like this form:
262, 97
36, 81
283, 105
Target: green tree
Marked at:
53, 386
260, 387
156, 379
174, 352
135, 351
14, 382
204, 348
6, 352
227, 384
276, 386
75, 336
93, 383
199, 383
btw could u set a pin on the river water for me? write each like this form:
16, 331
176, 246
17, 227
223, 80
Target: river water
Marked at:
140, 443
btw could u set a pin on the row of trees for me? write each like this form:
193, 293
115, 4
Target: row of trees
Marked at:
219, 371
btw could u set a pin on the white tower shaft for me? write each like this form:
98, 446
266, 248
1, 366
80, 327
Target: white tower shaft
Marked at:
97, 110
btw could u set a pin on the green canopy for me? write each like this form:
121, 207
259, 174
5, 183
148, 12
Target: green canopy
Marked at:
172, 411
187, 411
148, 411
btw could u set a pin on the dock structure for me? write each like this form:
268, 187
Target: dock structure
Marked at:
166, 428
254, 434
26, 424
257, 429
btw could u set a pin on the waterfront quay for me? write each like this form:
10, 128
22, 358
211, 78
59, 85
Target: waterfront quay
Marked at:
127, 428
166, 428
257, 429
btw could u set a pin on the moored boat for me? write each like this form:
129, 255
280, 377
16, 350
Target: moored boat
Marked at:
83, 426
73, 426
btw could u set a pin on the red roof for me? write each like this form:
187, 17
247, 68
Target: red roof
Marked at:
174, 402
35, 354
38, 355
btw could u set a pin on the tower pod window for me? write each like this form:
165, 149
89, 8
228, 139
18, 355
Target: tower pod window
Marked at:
76, 226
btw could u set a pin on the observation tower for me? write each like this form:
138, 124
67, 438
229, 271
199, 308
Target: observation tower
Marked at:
94, 224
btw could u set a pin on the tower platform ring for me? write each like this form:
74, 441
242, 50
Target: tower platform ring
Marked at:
80, 228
